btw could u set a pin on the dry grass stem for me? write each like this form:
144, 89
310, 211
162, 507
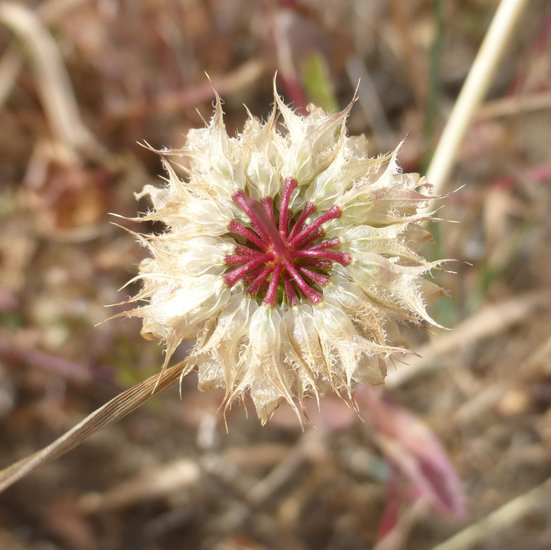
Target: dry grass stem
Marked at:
153, 483
233, 82
114, 410
473, 91
485, 323
52, 79
11, 62
502, 518
515, 105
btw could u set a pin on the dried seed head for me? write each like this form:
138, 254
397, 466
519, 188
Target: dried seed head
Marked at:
288, 256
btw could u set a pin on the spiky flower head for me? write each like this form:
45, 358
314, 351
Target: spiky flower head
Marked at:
288, 256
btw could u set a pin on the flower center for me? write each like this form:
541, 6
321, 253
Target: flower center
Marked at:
282, 255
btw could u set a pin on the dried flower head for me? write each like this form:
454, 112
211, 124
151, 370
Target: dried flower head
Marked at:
288, 256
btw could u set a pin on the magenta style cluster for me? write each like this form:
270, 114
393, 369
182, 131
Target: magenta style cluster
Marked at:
291, 255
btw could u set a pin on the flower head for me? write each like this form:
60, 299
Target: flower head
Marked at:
289, 255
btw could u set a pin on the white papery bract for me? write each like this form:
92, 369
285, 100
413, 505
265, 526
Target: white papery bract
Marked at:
289, 254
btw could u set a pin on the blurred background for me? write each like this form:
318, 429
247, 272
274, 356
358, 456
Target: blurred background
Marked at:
81, 83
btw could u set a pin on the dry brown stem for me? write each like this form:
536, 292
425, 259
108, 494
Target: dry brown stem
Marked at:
485, 323
52, 80
114, 410
506, 515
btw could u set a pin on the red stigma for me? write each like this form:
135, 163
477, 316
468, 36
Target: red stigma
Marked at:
281, 254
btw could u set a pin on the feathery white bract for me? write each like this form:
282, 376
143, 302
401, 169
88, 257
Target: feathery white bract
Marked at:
260, 330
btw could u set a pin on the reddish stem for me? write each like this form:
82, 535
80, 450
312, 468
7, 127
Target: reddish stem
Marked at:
290, 294
308, 291
271, 294
314, 236
233, 276
331, 214
284, 213
241, 249
235, 227
330, 243
324, 265
247, 206
314, 275
268, 204
259, 279
309, 209
340, 257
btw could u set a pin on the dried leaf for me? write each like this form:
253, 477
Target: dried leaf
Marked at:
416, 452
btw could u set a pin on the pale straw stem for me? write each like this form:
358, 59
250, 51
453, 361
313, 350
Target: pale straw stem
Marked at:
499, 520
474, 90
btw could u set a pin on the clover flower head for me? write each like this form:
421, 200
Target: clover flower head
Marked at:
289, 254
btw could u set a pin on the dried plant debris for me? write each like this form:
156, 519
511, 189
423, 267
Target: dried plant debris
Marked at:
80, 83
